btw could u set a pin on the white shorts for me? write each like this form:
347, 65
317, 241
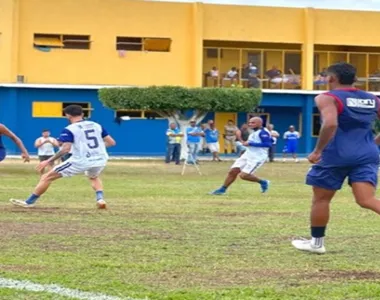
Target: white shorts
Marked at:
213, 147
248, 166
69, 168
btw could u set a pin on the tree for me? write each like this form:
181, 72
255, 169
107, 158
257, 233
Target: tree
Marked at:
172, 102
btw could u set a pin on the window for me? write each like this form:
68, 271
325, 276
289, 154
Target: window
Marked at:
316, 125
76, 42
143, 44
85, 105
48, 40
47, 109
137, 114
62, 41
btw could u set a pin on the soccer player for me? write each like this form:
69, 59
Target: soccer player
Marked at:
345, 149
88, 142
6, 132
291, 137
253, 158
212, 140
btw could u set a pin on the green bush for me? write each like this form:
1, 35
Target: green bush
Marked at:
163, 98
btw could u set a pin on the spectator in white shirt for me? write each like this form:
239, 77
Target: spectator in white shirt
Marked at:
275, 135
45, 145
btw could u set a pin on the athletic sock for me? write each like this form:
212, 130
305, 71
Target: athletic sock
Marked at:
223, 188
317, 234
262, 181
32, 199
99, 195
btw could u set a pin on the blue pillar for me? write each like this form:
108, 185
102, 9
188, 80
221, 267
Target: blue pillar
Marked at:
9, 115
307, 116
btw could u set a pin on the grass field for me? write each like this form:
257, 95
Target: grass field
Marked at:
163, 237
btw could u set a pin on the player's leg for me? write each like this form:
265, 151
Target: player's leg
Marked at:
231, 176
284, 153
325, 183
39, 190
363, 180
247, 173
97, 185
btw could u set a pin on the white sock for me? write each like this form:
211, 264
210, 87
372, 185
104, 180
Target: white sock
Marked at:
317, 242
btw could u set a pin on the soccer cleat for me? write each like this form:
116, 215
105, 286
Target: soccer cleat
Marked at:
265, 186
21, 203
101, 204
218, 192
305, 245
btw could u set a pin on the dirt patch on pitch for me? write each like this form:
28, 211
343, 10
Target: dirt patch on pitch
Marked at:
339, 275
14, 230
256, 213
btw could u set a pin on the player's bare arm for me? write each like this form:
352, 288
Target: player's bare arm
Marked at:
24, 153
109, 141
38, 143
329, 114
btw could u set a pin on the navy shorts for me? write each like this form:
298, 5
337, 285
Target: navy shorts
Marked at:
3, 154
332, 178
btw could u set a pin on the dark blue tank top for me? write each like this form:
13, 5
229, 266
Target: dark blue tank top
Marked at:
1, 142
353, 143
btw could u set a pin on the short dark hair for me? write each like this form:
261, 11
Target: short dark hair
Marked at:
46, 130
73, 110
344, 72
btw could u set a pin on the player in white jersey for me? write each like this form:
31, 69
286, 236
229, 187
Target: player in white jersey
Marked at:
253, 158
87, 142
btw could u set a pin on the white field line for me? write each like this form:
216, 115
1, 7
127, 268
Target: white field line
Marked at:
56, 289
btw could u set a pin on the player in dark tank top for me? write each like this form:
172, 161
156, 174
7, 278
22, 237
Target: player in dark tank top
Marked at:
346, 148
4, 131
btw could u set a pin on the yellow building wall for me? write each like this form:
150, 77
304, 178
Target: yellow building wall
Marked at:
250, 23
342, 27
103, 21
189, 26
8, 40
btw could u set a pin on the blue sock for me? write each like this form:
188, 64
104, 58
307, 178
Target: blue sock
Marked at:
223, 188
261, 181
32, 199
99, 195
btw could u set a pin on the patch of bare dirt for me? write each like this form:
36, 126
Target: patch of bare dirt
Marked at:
256, 213
214, 279
339, 275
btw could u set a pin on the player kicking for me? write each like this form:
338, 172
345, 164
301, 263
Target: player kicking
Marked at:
3, 153
254, 157
87, 141
345, 148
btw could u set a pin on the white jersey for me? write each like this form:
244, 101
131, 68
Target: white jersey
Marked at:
88, 148
258, 137
46, 149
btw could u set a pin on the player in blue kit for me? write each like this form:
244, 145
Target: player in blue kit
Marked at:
4, 131
346, 148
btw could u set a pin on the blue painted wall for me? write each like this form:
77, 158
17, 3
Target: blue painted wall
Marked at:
137, 136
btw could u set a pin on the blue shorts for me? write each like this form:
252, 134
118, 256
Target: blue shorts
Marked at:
3, 154
332, 178
290, 149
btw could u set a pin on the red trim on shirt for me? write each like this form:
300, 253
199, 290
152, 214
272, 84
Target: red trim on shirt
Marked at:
338, 102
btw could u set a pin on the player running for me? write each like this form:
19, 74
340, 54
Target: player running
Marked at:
3, 153
345, 148
88, 142
253, 158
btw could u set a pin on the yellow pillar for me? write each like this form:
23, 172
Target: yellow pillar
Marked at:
197, 45
308, 50
9, 28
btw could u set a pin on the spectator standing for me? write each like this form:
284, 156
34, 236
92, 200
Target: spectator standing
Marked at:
230, 136
291, 137
212, 140
45, 145
194, 134
275, 135
174, 143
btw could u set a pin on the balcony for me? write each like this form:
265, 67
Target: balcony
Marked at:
256, 68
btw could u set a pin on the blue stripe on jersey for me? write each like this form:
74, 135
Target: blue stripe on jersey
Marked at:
66, 136
63, 167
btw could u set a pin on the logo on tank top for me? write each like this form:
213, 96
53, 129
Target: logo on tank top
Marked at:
361, 103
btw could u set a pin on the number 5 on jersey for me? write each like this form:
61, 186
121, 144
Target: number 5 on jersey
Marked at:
93, 141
